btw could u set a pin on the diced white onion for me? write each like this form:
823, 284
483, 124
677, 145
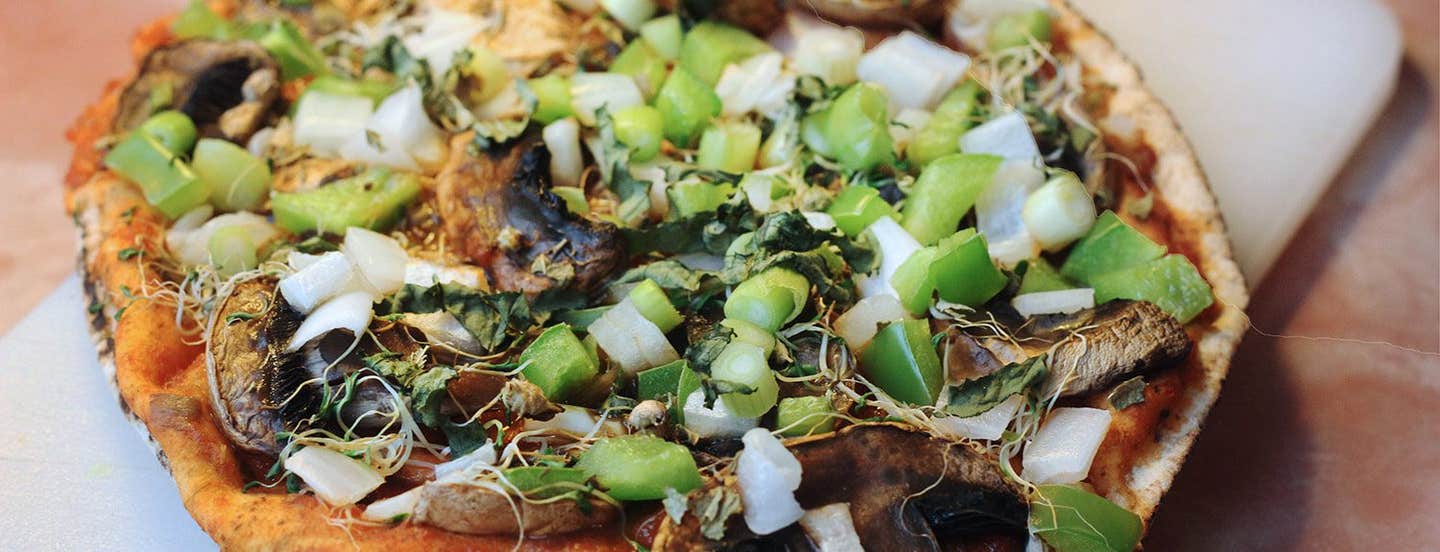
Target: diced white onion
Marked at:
443, 34
894, 245
859, 324
562, 138
998, 212
1007, 136
914, 71
988, 425
591, 91
1058, 213
631, 340
905, 124
192, 245
969, 22
821, 49
819, 220
193, 218
337, 479
259, 141
1062, 450
371, 149
655, 175
442, 328
401, 122
392, 508
768, 474
756, 84
630, 13
1063, 301
321, 278
579, 422
464, 467
718, 421
426, 273
325, 122
351, 311
831, 528
378, 258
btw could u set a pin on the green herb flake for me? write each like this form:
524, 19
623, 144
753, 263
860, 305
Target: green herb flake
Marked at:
130, 253
239, 317
977, 396
1129, 393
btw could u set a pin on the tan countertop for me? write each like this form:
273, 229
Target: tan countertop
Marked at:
1325, 439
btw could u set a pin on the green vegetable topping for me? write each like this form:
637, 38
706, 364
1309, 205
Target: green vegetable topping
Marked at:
743, 365
855, 129
655, 306
903, 363
375, 199
729, 147
1070, 519
546, 481
238, 180
1171, 283
687, 105
946, 189
710, 46
558, 363
664, 35
297, 57
801, 416
640, 467
1016, 29
963, 271
1040, 275
640, 127
167, 182
977, 396
641, 61
1109, 245
940, 135
232, 250
552, 95
769, 299
856, 207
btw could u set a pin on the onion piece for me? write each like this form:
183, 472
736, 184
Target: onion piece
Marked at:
591, 91
442, 328
831, 528
968, 23
631, 340
818, 220
1007, 136
379, 259
1060, 212
998, 212
1063, 301
401, 122
421, 272
768, 474
914, 71
391, 509
716, 421
988, 425
351, 311
562, 138
894, 245
630, 13
858, 325
337, 479
325, 122
321, 278
443, 34
821, 49
756, 84
1062, 450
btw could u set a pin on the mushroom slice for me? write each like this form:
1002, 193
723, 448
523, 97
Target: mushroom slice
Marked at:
465, 507
249, 333
1104, 345
205, 79
497, 208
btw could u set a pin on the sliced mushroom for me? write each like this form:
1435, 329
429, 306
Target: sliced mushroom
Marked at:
876, 13
498, 210
227, 88
1104, 345
465, 507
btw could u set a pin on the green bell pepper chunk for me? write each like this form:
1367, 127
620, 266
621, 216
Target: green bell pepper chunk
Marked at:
693, 196
552, 98
687, 105
1110, 245
856, 207
640, 467
1040, 276
375, 199
640, 127
238, 180
940, 136
945, 191
377, 91
769, 299
855, 129
675, 379
1070, 519
710, 46
729, 147
644, 64
558, 363
167, 182
913, 282
545, 481
664, 35
655, 306
963, 271
801, 416
1016, 29
297, 57
172, 129
1170, 282
903, 363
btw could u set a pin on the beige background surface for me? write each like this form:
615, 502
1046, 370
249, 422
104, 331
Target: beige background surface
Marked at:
1326, 443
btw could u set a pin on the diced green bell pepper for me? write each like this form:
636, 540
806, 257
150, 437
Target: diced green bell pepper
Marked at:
963, 271
674, 379
913, 282
695, 196
238, 180
903, 363
664, 35
558, 363
856, 207
641, 61
167, 182
655, 305
545, 481
640, 467
1040, 276
801, 416
855, 129
940, 135
1070, 519
552, 98
710, 46
375, 199
687, 104
1170, 282
297, 57
1016, 29
729, 147
1110, 245
199, 21
945, 191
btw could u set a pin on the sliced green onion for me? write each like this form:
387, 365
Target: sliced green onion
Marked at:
744, 364
232, 250
297, 57
664, 35
655, 306
552, 94
1059, 212
769, 299
729, 147
591, 91
167, 182
486, 74
375, 199
630, 13
238, 180
746, 332
558, 363
687, 104
641, 128
172, 129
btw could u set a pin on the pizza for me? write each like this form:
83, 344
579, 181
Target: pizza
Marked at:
627, 274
